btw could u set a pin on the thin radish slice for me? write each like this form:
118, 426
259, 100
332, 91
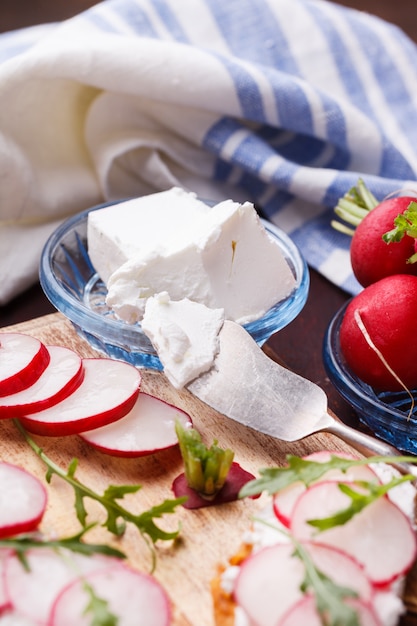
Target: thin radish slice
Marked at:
133, 597
4, 598
147, 428
284, 500
12, 618
107, 393
380, 536
23, 500
22, 360
60, 378
269, 581
304, 613
33, 591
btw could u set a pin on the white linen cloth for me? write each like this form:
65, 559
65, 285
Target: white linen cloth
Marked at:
281, 102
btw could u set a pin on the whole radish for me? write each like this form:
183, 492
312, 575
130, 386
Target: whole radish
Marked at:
384, 312
372, 255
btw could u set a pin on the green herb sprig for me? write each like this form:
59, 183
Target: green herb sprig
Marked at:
117, 516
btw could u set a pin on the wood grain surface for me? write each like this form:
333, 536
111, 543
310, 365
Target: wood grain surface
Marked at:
186, 566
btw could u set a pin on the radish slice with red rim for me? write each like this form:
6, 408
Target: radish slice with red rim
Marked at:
269, 581
60, 378
304, 613
107, 393
33, 591
22, 360
23, 500
133, 597
380, 537
284, 501
147, 428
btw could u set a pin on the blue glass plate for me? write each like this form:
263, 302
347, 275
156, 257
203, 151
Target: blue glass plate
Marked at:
72, 285
385, 413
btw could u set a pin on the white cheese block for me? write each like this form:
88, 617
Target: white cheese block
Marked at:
226, 259
140, 226
184, 334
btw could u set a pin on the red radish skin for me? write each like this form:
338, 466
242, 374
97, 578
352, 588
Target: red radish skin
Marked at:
23, 500
372, 258
236, 479
268, 583
380, 537
107, 393
22, 360
284, 501
304, 613
148, 428
134, 597
60, 378
388, 310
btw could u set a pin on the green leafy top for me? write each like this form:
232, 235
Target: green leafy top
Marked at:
404, 224
206, 469
353, 207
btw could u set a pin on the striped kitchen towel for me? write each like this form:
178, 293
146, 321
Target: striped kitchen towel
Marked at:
281, 102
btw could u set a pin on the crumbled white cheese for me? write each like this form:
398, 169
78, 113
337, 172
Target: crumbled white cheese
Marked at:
221, 256
184, 334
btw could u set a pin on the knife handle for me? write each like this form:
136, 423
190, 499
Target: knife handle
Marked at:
369, 446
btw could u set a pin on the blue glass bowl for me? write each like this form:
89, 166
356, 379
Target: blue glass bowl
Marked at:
72, 285
385, 413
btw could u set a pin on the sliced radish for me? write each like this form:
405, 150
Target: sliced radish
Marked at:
107, 393
60, 378
269, 581
133, 597
304, 613
147, 428
13, 618
236, 479
380, 536
284, 500
23, 500
32, 591
22, 360
4, 598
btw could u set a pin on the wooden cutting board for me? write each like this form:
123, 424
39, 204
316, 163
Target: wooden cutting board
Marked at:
186, 566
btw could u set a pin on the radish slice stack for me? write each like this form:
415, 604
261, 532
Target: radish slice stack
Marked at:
54, 392
369, 554
51, 587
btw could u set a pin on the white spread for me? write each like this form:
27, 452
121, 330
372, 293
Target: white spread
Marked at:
184, 334
221, 257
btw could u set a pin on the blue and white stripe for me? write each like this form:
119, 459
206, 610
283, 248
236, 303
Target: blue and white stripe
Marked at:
289, 101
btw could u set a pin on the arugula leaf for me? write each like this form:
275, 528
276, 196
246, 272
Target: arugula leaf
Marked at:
329, 596
359, 501
274, 479
98, 608
117, 515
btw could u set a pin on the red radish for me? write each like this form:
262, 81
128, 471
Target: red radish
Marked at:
62, 376
380, 537
305, 613
284, 501
23, 500
32, 591
147, 428
236, 479
133, 597
388, 310
372, 258
269, 581
22, 360
108, 392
